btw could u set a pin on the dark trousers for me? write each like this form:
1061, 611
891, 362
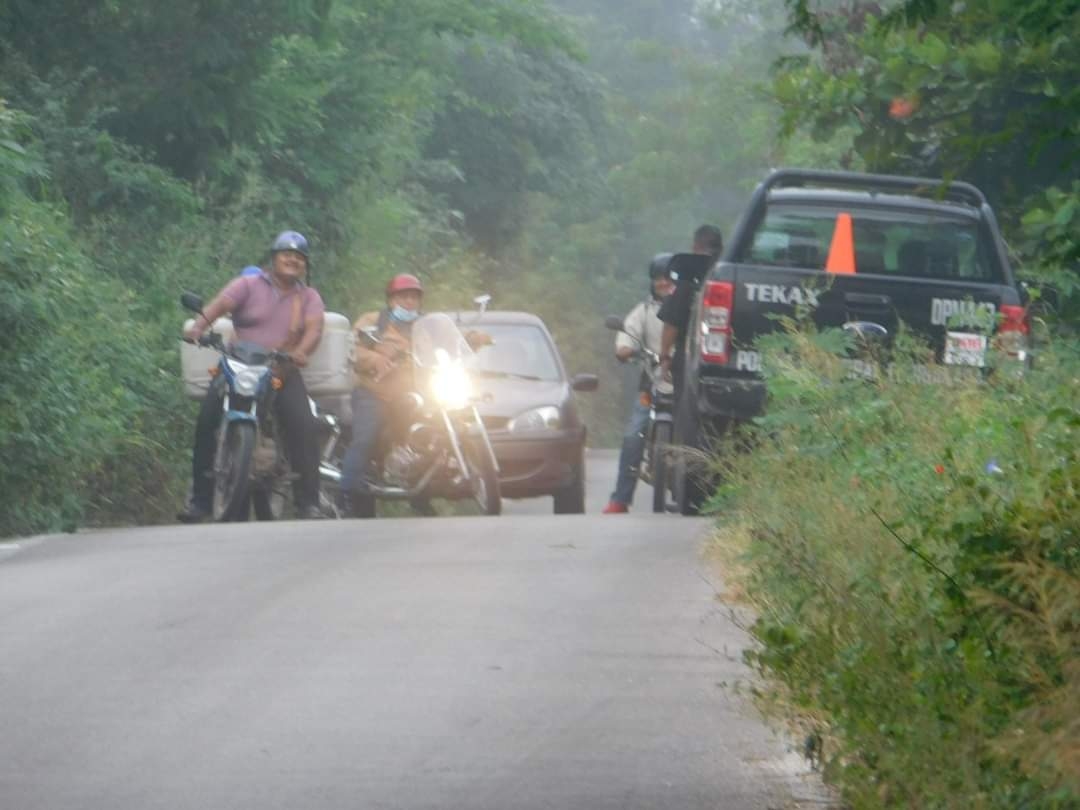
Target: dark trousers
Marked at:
295, 421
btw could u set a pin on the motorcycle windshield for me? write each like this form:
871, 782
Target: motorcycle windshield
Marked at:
436, 341
248, 353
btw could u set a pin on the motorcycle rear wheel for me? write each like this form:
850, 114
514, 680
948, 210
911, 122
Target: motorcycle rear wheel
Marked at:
268, 504
661, 442
232, 472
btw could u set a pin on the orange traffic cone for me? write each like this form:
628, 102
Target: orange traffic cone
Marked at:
842, 250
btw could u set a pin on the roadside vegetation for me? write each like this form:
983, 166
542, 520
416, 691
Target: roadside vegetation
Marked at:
911, 549
913, 555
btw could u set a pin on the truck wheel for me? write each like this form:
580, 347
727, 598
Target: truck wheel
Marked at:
687, 485
661, 465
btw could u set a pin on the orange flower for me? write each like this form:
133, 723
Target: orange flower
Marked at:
939, 469
901, 108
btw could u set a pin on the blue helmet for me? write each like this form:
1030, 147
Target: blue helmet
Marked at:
251, 270
291, 240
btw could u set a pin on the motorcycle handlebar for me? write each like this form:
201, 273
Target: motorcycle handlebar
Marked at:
213, 340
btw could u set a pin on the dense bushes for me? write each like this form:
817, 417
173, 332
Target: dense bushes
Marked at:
74, 370
914, 555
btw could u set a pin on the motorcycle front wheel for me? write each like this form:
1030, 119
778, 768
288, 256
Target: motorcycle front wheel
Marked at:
484, 480
661, 442
232, 472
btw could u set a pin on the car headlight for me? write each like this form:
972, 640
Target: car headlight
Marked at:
544, 418
450, 386
246, 378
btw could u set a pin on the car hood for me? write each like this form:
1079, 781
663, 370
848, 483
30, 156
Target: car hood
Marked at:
508, 397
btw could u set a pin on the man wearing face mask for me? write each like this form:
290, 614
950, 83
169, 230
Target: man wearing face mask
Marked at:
382, 374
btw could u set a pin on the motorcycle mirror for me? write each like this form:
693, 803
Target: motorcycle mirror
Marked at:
614, 323
482, 302
192, 302
584, 382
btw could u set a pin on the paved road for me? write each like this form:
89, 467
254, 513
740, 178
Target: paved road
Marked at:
480, 663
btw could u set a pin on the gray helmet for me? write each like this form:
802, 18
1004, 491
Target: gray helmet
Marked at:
659, 265
291, 240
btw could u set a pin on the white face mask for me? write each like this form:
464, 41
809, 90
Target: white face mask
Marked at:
403, 315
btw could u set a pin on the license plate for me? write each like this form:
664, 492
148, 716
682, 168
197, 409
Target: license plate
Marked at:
965, 349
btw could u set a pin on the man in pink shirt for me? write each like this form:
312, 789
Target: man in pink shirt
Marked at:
275, 309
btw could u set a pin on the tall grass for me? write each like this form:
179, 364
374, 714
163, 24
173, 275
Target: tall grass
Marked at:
913, 554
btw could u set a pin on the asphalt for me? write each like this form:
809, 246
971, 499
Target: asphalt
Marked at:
524, 661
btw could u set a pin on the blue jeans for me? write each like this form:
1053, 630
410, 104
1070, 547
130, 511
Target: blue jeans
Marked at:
633, 448
368, 415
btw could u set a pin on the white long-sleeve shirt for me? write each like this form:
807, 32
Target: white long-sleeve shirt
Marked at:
642, 323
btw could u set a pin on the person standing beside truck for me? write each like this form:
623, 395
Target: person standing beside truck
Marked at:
675, 312
275, 309
642, 328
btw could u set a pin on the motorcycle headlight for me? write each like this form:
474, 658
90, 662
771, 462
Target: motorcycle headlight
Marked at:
246, 378
544, 418
451, 387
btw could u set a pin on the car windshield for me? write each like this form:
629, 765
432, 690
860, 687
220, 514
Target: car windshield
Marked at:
519, 350
921, 244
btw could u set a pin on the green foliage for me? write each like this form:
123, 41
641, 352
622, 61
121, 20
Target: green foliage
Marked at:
983, 91
915, 564
1051, 237
71, 381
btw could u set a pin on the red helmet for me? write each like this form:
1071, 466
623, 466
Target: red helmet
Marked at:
404, 281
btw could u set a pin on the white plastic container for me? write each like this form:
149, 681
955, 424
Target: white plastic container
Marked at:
328, 372
196, 361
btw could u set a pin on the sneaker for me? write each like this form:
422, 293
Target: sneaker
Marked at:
615, 508
193, 513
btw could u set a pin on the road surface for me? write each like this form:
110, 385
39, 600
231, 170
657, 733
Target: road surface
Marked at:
526, 661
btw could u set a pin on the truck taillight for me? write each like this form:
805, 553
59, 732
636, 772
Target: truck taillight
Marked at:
716, 311
1013, 330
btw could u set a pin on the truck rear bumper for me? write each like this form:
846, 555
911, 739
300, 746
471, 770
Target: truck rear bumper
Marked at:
721, 398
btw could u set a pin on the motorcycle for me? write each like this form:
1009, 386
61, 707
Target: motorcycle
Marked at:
251, 470
436, 445
655, 468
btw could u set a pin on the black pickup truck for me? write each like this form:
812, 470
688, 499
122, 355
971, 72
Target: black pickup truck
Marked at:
861, 251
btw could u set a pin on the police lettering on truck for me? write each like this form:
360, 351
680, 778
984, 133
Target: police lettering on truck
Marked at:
966, 313
779, 294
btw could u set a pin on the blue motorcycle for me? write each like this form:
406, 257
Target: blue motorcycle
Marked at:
251, 470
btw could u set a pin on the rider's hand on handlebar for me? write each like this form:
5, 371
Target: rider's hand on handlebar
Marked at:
299, 358
665, 368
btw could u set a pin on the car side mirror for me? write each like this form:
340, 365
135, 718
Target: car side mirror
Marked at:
584, 382
614, 323
192, 302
